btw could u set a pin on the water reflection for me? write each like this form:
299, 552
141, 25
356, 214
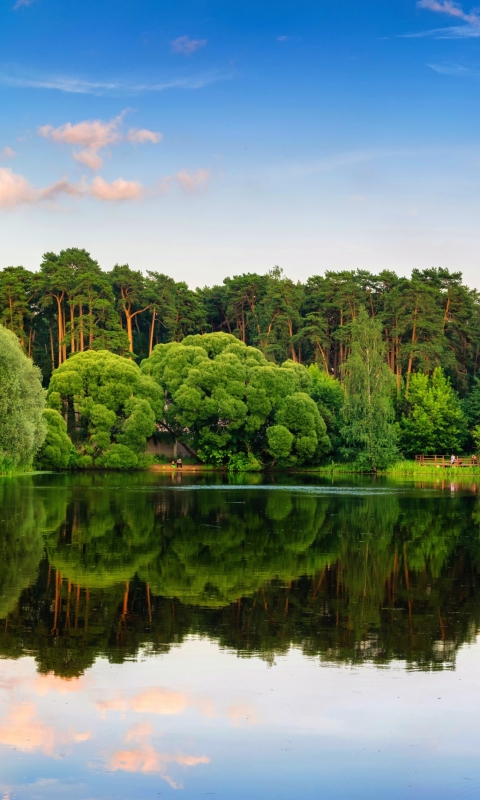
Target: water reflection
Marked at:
99, 565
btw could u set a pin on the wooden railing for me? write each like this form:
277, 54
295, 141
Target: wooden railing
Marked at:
445, 461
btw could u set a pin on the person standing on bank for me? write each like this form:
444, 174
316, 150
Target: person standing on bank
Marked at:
179, 463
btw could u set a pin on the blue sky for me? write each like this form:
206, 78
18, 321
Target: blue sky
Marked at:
207, 138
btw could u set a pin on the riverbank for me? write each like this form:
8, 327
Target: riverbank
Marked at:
404, 468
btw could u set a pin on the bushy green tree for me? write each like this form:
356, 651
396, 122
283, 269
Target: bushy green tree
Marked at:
110, 407
328, 394
222, 397
57, 450
368, 410
433, 421
22, 399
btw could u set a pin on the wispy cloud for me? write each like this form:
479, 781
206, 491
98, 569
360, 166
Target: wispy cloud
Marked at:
95, 135
142, 135
189, 182
455, 70
450, 8
7, 152
451, 32
74, 85
22, 4
186, 46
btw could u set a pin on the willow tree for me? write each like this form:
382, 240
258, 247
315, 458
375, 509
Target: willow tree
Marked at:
22, 428
368, 410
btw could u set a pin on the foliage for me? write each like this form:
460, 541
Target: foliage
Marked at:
433, 421
329, 396
223, 396
110, 407
368, 409
57, 450
22, 428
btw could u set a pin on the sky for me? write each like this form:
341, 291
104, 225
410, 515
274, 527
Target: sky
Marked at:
204, 139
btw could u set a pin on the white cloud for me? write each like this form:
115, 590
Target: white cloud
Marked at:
22, 4
187, 46
7, 152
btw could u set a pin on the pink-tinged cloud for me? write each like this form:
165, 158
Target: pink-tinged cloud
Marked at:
22, 730
91, 135
453, 9
62, 186
151, 701
115, 191
146, 759
52, 683
189, 182
142, 135
90, 158
7, 152
192, 182
187, 46
15, 190
139, 732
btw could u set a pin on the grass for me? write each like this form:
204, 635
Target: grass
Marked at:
422, 470
400, 468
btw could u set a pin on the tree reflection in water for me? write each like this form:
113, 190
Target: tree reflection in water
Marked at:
106, 565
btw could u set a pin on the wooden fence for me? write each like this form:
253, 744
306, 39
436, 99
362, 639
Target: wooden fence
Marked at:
445, 461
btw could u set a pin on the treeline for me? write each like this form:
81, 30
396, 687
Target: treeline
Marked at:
70, 305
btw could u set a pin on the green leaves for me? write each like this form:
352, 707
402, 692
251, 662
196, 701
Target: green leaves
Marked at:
223, 399
433, 421
111, 408
368, 410
22, 399
57, 451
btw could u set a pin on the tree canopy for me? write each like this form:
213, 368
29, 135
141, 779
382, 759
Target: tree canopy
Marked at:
110, 407
222, 399
22, 399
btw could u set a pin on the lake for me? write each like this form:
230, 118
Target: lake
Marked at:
238, 637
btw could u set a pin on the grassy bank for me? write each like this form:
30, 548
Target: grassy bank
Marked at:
404, 468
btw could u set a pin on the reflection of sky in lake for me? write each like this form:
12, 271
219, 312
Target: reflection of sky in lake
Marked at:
203, 721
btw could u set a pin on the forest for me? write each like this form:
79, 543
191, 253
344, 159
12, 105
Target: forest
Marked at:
70, 304
259, 371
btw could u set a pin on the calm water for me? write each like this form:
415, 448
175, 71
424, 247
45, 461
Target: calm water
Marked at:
269, 639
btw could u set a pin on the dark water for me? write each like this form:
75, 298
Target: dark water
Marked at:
243, 637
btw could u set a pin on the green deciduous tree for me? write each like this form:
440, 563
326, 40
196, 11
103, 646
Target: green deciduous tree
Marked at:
433, 420
110, 407
57, 450
221, 398
22, 400
368, 409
